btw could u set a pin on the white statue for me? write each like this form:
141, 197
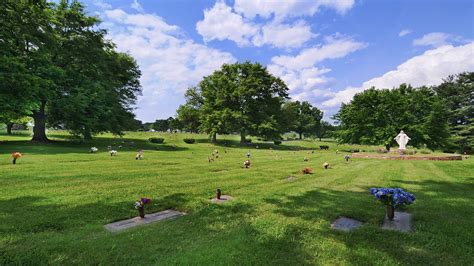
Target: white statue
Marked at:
402, 140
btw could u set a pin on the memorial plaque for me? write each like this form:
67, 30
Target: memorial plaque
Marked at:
346, 224
149, 218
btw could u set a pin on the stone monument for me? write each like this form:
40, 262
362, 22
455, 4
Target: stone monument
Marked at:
402, 140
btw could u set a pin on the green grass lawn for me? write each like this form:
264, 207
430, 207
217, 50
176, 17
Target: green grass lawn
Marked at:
55, 201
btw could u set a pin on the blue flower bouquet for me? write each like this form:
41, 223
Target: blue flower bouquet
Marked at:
392, 198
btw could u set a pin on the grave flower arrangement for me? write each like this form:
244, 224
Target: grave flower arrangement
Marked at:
307, 170
15, 156
140, 206
392, 198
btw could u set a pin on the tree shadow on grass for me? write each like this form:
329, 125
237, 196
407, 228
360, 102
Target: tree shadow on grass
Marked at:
440, 235
62, 147
42, 233
261, 145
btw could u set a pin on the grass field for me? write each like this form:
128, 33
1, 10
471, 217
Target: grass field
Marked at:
55, 201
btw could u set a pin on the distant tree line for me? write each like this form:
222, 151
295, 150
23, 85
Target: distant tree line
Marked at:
438, 117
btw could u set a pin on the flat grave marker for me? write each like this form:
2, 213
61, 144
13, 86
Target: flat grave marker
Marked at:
137, 221
346, 224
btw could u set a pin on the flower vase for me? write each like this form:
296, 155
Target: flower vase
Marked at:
390, 212
141, 211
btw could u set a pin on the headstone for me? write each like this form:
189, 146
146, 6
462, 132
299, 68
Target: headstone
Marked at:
401, 222
346, 224
224, 198
149, 218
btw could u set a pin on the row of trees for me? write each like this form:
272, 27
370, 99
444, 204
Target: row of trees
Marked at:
57, 67
245, 98
438, 117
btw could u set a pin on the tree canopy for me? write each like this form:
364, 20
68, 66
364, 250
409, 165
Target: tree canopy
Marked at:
375, 116
240, 97
57, 67
302, 118
457, 93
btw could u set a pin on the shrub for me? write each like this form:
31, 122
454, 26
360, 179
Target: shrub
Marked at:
248, 140
425, 152
156, 140
277, 142
189, 140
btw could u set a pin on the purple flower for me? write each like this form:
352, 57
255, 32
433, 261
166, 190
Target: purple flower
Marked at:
145, 200
392, 196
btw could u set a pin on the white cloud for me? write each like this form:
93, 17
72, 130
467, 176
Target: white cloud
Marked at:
426, 69
288, 8
336, 47
404, 32
102, 4
135, 5
170, 63
221, 23
436, 39
305, 79
284, 35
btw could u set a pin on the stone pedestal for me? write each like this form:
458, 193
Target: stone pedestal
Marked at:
401, 222
224, 198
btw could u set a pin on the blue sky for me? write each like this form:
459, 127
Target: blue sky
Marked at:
325, 50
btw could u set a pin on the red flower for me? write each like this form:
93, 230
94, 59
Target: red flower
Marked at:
16, 155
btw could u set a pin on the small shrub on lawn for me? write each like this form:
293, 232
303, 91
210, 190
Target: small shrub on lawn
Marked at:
248, 140
189, 140
277, 142
156, 140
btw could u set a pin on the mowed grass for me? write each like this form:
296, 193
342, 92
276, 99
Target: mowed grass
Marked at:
55, 201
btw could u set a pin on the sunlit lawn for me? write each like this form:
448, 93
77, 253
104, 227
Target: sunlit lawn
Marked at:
55, 201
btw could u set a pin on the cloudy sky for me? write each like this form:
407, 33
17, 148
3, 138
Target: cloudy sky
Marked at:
325, 50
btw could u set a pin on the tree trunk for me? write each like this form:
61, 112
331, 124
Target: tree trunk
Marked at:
214, 137
301, 135
9, 128
87, 134
242, 136
39, 130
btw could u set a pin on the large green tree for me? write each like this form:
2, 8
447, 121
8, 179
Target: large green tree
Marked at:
71, 75
376, 116
325, 129
302, 118
457, 93
243, 98
189, 113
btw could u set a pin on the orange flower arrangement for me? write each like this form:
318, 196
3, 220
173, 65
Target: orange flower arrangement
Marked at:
15, 156
307, 170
